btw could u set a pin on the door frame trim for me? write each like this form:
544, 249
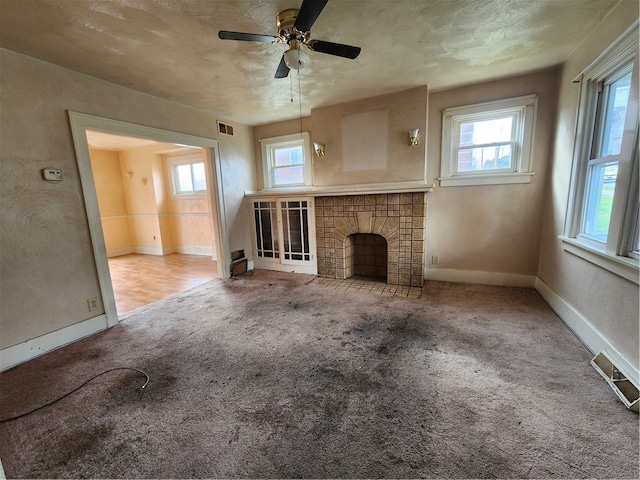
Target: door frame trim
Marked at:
80, 122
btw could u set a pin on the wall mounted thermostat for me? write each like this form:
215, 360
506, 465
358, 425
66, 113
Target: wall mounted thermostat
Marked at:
52, 175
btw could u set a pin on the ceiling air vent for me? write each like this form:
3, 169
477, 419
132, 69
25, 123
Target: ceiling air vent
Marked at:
225, 128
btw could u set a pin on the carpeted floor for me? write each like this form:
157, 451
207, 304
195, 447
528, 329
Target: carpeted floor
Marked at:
264, 376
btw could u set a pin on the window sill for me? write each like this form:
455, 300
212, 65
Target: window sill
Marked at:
622, 266
485, 179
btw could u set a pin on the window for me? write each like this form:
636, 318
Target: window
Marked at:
188, 174
488, 143
286, 161
603, 216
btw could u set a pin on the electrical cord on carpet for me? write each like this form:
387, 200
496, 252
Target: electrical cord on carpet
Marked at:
75, 390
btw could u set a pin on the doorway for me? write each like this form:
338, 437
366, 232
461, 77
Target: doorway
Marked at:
156, 215
80, 124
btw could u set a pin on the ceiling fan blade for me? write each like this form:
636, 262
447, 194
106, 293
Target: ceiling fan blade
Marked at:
309, 11
283, 70
248, 37
338, 49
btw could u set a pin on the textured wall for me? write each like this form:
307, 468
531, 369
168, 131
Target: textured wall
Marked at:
606, 300
398, 162
342, 129
114, 214
191, 218
276, 130
493, 228
142, 197
47, 266
490, 228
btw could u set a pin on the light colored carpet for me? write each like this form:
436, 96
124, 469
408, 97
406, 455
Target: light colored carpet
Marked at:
264, 376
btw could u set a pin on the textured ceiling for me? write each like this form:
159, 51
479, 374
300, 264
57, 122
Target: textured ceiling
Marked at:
170, 48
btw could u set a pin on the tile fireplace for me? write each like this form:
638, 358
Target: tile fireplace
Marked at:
399, 218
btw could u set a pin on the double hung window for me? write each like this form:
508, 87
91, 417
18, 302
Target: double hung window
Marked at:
602, 221
286, 161
488, 143
188, 174
611, 97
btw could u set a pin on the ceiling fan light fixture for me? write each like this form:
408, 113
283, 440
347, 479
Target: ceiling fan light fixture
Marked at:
294, 29
295, 58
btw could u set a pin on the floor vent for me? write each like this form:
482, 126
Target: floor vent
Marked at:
238, 267
626, 391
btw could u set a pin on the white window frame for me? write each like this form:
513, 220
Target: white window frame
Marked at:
614, 255
174, 161
522, 109
270, 145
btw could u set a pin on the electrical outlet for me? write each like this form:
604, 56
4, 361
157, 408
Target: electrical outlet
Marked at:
435, 260
93, 304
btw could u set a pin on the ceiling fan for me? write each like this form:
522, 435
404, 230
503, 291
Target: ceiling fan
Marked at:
294, 29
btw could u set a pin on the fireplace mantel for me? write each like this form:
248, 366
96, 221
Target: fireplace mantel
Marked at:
334, 190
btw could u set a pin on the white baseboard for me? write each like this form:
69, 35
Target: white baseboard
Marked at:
189, 250
483, 278
150, 250
593, 338
279, 267
194, 250
116, 252
12, 356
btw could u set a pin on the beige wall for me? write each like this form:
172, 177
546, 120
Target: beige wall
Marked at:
401, 111
277, 129
47, 266
398, 162
607, 301
495, 228
143, 192
138, 211
190, 217
490, 228
111, 198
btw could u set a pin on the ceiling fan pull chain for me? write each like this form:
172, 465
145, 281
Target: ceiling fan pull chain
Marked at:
291, 87
300, 101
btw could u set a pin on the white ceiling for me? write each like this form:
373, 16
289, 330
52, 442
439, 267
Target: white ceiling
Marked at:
171, 49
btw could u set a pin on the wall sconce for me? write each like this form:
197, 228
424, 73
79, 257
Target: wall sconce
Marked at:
319, 149
414, 137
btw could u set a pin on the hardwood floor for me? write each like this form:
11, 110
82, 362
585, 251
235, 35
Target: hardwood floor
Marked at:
142, 279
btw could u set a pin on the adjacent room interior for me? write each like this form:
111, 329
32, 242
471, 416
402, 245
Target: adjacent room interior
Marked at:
319, 239
156, 217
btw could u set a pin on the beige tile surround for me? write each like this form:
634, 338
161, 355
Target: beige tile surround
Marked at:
398, 217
